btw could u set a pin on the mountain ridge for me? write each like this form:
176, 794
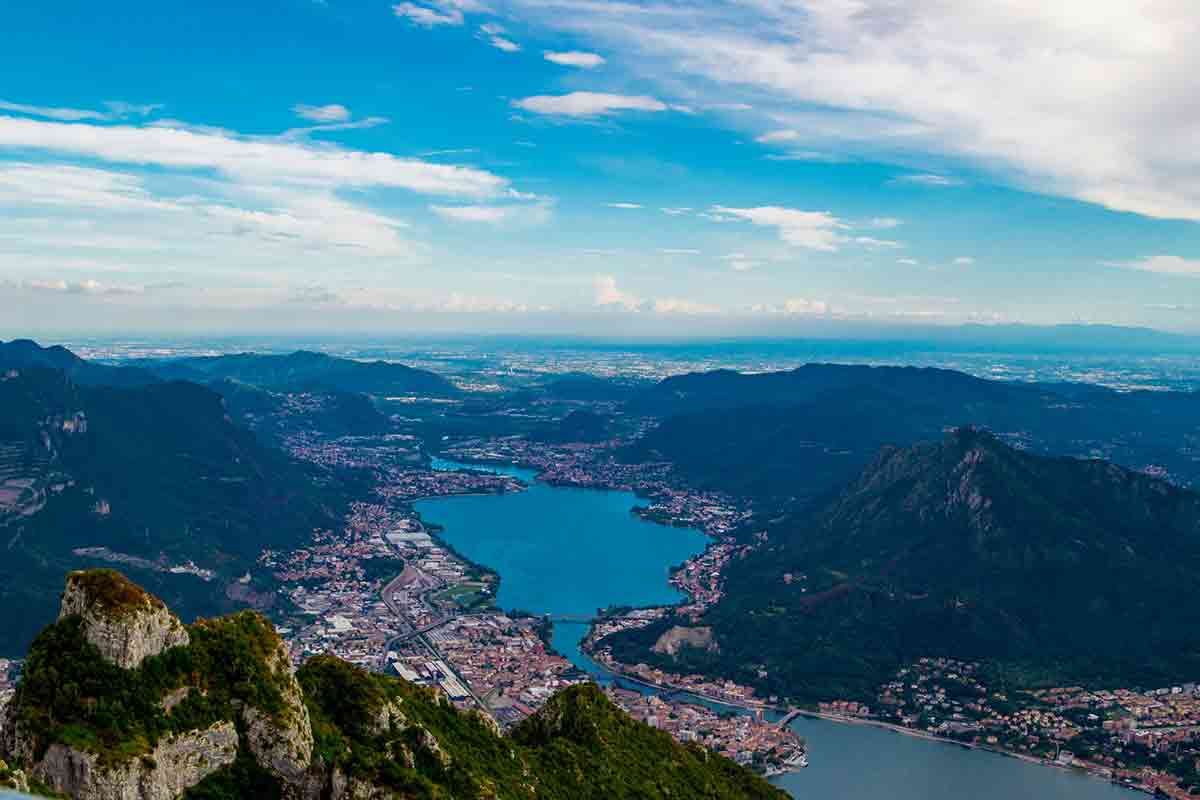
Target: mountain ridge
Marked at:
1054, 568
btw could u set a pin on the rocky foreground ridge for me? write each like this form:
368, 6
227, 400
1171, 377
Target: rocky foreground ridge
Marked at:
121, 701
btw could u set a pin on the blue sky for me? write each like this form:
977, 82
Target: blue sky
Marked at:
684, 166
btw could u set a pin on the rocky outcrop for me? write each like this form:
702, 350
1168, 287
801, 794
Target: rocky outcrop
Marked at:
390, 715
282, 742
429, 743
175, 765
678, 637
13, 779
123, 621
13, 744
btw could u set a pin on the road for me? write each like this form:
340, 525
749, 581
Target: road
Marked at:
426, 585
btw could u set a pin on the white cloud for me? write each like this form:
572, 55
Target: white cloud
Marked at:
794, 305
116, 110
428, 17
775, 137
217, 202
912, 262
574, 58
740, 262
88, 286
535, 213
885, 223
1093, 101
675, 212
358, 124
877, 244
814, 230
675, 305
800, 305
678, 251
588, 104
507, 45
964, 261
608, 295
461, 303
1166, 265
246, 159
928, 179
624, 205
329, 113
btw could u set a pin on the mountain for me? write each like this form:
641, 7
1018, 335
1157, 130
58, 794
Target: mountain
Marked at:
801, 433
119, 699
274, 415
23, 353
1052, 569
152, 477
306, 371
579, 425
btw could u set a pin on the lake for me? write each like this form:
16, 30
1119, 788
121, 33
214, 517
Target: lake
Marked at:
562, 550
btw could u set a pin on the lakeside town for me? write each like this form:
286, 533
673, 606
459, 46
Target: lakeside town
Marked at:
434, 622
385, 593
1134, 738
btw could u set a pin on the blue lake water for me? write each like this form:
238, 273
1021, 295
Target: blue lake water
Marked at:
565, 551
573, 551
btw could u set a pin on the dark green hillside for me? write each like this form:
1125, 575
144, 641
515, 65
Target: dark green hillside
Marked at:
273, 415
156, 473
723, 389
579, 745
799, 434
1057, 569
580, 425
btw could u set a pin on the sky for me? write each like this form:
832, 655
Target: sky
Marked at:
662, 167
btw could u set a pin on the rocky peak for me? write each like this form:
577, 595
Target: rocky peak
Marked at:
123, 621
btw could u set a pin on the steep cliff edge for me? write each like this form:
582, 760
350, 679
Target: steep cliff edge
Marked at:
121, 620
214, 711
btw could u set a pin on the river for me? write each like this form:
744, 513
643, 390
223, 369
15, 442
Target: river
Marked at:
568, 551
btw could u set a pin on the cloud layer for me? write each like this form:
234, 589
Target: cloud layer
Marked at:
1091, 101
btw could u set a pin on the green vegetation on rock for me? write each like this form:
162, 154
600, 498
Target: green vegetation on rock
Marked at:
372, 735
69, 694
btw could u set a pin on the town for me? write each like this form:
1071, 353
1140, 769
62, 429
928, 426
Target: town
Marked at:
385, 593
1146, 740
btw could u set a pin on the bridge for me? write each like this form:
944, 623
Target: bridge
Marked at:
576, 618
791, 715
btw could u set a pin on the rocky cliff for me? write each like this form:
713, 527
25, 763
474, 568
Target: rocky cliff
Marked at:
124, 622
173, 766
118, 701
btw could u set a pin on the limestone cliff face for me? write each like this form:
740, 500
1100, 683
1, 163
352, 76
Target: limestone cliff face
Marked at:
282, 743
175, 765
124, 622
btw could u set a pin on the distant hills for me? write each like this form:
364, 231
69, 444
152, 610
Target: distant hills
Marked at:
304, 370
1051, 569
797, 434
26, 353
